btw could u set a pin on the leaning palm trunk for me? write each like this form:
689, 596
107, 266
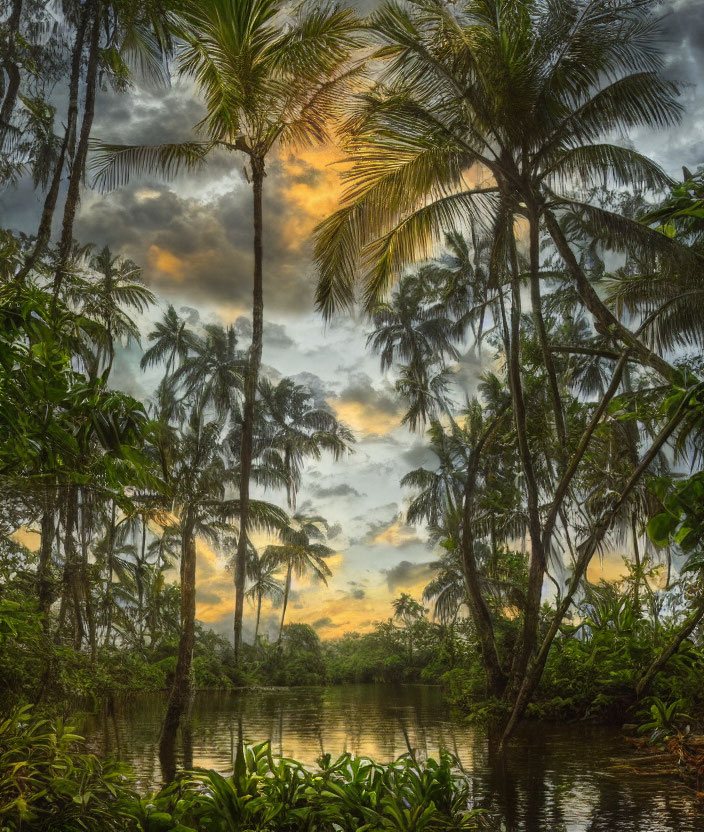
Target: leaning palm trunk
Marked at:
52, 196
669, 650
259, 615
255, 358
78, 163
181, 688
586, 552
287, 589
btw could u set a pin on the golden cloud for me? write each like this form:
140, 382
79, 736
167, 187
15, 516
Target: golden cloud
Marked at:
312, 190
365, 418
397, 534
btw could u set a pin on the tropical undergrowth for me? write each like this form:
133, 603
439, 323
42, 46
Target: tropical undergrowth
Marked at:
47, 784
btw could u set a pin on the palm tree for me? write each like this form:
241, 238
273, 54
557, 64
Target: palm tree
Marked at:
408, 610
173, 341
197, 476
300, 551
295, 429
103, 295
268, 80
214, 371
495, 114
263, 585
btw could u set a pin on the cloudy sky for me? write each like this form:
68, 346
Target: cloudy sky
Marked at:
193, 239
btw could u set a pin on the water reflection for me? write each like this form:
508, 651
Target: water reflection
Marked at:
554, 779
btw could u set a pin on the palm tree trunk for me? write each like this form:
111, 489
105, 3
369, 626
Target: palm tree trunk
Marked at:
259, 614
181, 688
250, 393
543, 335
481, 617
51, 199
140, 584
602, 314
111, 570
12, 70
536, 571
285, 601
586, 552
78, 163
671, 648
48, 532
85, 578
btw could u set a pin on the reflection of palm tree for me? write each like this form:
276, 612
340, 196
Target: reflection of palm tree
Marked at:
263, 585
299, 552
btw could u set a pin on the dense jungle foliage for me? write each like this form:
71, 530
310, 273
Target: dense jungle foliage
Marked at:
491, 210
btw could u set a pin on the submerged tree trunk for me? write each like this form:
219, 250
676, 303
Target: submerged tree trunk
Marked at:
181, 688
250, 393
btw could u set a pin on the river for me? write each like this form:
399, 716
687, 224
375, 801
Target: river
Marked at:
556, 778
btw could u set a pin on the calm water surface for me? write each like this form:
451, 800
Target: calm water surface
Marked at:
555, 779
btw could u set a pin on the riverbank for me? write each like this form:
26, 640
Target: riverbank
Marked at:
553, 773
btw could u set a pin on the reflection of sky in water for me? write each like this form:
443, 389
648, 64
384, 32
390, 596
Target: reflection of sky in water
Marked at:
555, 779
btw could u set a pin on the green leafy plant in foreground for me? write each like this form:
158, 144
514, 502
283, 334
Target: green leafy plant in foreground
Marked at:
47, 785
349, 793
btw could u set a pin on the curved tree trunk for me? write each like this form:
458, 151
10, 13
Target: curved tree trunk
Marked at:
671, 648
536, 571
250, 393
608, 322
181, 688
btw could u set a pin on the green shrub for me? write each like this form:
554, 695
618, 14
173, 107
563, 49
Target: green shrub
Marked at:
47, 785
345, 795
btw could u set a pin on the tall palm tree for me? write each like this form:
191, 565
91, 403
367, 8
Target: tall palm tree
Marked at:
497, 115
173, 341
263, 584
295, 429
268, 80
300, 551
197, 476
